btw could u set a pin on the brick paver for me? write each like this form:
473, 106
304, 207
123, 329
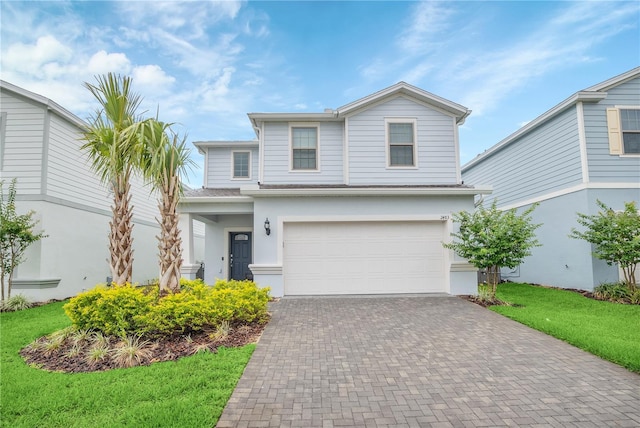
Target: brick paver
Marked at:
421, 361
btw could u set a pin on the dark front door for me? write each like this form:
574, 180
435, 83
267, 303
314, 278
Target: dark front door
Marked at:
240, 256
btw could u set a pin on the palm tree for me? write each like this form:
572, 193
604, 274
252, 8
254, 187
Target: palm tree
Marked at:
163, 159
112, 149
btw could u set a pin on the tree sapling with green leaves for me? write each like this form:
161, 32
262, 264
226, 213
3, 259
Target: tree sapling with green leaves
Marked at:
491, 239
616, 237
16, 235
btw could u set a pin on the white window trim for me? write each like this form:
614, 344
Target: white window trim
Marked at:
623, 154
412, 120
304, 125
233, 177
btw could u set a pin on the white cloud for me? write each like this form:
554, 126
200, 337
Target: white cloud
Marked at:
102, 62
30, 58
153, 78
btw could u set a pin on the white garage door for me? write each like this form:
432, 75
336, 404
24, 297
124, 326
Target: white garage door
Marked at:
363, 258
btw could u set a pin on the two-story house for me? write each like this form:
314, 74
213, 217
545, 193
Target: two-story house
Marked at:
354, 200
40, 146
586, 148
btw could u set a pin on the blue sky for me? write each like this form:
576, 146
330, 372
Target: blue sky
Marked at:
206, 64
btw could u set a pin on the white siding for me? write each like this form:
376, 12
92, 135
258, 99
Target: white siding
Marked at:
436, 141
604, 167
276, 155
23, 140
542, 161
219, 167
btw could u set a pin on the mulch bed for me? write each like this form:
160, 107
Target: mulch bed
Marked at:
497, 302
167, 348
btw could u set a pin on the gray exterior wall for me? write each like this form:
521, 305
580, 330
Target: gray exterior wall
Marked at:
604, 167
564, 261
41, 148
545, 164
22, 143
277, 155
544, 160
436, 139
220, 168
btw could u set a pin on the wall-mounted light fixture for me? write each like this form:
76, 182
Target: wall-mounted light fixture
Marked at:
267, 226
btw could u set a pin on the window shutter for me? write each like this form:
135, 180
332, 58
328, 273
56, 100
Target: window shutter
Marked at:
615, 134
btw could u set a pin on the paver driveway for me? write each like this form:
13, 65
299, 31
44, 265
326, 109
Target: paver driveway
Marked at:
419, 362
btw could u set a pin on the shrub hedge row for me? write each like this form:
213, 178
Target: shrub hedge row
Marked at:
127, 309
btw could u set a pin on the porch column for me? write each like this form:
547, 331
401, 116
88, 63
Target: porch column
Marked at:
185, 224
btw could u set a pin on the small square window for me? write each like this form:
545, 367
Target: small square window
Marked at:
630, 131
400, 137
304, 147
240, 164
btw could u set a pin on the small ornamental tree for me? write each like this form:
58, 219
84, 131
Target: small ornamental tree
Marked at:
616, 237
491, 239
16, 234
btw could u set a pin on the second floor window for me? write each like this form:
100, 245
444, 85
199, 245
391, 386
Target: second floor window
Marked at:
304, 147
241, 165
630, 131
401, 144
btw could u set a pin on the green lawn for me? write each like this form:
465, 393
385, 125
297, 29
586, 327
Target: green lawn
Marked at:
609, 330
190, 392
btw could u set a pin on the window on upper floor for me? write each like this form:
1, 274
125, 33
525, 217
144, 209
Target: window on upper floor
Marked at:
630, 121
623, 125
304, 148
401, 143
241, 165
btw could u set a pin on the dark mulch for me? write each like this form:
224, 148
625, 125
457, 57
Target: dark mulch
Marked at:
485, 302
69, 360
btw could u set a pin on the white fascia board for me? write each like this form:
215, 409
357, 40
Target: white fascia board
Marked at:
215, 199
49, 104
257, 118
458, 110
201, 145
584, 96
368, 191
616, 80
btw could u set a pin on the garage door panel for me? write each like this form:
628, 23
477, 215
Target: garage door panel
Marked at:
363, 258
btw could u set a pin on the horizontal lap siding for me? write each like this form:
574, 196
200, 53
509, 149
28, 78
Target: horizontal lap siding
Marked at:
437, 160
604, 167
70, 177
276, 155
219, 167
542, 161
22, 151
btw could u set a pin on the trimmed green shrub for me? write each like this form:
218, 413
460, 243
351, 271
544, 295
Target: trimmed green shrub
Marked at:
113, 310
125, 309
198, 306
243, 299
176, 313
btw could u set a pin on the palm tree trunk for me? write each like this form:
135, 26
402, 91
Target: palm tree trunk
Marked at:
121, 239
169, 241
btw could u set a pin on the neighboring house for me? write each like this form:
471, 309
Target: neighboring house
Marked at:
586, 148
356, 200
40, 146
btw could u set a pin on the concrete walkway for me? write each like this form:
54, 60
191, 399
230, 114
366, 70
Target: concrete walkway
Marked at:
421, 362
